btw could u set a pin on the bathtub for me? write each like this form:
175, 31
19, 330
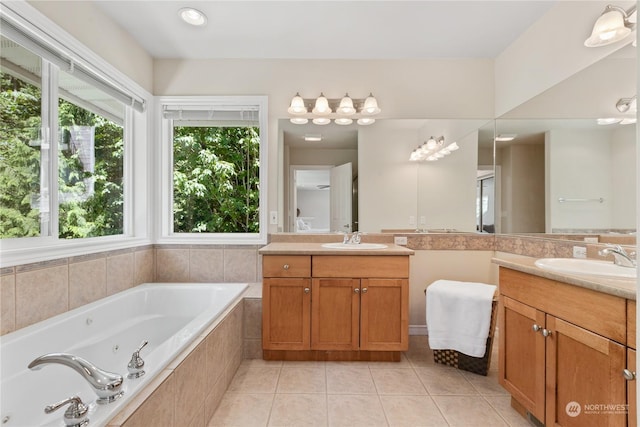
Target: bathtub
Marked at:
105, 332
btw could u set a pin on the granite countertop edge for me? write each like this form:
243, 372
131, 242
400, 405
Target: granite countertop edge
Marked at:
623, 288
286, 248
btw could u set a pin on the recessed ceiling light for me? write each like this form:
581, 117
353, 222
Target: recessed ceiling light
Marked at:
506, 137
192, 16
313, 137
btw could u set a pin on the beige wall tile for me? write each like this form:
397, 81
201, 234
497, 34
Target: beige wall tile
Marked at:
144, 265
87, 282
119, 273
8, 303
172, 265
198, 419
252, 349
190, 385
41, 294
240, 265
215, 360
252, 322
158, 410
214, 396
206, 265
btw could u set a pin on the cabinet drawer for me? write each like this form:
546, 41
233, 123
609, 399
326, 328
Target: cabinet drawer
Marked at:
601, 313
286, 266
371, 266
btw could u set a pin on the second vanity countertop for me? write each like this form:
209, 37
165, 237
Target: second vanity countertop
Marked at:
624, 288
299, 248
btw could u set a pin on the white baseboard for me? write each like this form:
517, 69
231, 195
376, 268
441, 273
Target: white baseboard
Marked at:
418, 330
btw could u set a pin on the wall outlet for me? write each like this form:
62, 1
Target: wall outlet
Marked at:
579, 252
273, 217
400, 240
412, 220
423, 220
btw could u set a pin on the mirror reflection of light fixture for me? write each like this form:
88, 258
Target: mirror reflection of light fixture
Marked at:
627, 105
506, 137
312, 137
433, 149
612, 26
344, 110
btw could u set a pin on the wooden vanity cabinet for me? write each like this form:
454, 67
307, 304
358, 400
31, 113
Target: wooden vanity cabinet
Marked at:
561, 344
350, 306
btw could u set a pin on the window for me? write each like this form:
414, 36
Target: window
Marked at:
214, 150
65, 145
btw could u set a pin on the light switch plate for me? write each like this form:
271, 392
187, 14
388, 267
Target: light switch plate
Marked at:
400, 240
579, 252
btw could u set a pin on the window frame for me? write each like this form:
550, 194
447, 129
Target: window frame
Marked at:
165, 231
136, 216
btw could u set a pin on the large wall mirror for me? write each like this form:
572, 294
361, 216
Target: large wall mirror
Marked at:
566, 160
556, 169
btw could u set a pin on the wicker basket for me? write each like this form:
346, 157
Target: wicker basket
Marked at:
477, 365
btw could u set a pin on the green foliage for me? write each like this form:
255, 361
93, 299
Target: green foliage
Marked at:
216, 179
98, 215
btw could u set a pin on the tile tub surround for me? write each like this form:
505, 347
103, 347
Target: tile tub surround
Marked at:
413, 392
189, 390
34, 292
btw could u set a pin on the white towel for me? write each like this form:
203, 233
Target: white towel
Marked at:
459, 316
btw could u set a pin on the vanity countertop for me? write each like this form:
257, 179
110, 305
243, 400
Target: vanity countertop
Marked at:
624, 288
299, 248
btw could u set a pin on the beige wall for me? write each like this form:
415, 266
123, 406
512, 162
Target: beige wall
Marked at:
429, 266
87, 23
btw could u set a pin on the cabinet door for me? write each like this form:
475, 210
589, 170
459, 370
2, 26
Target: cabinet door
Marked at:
286, 314
522, 354
631, 390
585, 387
335, 313
384, 315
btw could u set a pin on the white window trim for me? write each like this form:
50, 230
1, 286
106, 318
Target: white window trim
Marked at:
165, 173
137, 217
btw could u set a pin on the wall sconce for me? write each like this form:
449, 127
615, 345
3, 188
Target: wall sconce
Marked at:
612, 26
433, 149
343, 111
624, 105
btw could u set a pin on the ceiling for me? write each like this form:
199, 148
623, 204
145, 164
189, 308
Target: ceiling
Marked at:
327, 29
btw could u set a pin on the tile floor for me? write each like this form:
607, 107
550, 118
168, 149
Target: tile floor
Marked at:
412, 392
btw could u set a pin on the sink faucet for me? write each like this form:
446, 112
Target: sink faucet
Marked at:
107, 385
620, 256
355, 238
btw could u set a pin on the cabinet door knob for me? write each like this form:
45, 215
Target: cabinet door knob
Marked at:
307, 290
286, 266
356, 290
546, 333
536, 328
364, 290
628, 375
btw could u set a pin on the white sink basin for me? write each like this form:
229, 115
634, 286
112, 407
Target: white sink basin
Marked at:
354, 246
586, 266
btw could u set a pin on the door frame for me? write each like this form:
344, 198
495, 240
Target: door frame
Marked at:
292, 197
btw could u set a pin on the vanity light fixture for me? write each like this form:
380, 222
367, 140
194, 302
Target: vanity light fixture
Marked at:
433, 149
343, 110
613, 25
192, 16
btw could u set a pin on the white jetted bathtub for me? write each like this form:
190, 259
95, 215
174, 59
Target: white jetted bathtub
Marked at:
106, 333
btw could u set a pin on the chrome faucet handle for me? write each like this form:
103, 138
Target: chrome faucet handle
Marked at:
136, 363
76, 413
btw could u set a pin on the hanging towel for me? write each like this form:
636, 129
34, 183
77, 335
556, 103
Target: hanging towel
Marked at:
459, 316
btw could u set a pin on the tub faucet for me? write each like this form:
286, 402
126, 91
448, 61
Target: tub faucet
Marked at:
76, 413
107, 385
620, 256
